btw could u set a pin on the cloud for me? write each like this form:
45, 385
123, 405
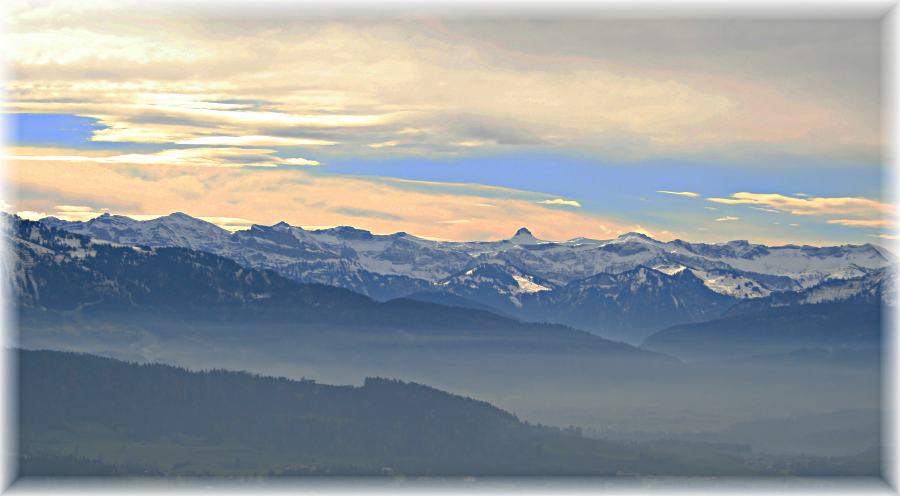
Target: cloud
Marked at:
442, 186
809, 205
561, 201
886, 236
194, 157
67, 212
367, 214
255, 141
863, 222
454, 221
73, 208
76, 212
474, 143
299, 196
229, 223
297, 161
74, 46
385, 144
472, 85
727, 218
689, 194
31, 214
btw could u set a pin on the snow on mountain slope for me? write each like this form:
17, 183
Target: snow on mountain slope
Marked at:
572, 260
527, 284
177, 229
385, 266
808, 265
497, 284
871, 286
851, 271
669, 270
879, 286
732, 284
629, 305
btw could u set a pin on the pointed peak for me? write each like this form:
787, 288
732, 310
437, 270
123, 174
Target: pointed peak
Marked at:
102, 217
106, 218
634, 235
524, 236
281, 224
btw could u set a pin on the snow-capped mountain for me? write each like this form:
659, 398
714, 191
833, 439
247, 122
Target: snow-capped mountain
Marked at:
807, 265
61, 271
560, 263
177, 229
736, 284
62, 278
499, 285
834, 314
873, 287
629, 305
523, 275
383, 267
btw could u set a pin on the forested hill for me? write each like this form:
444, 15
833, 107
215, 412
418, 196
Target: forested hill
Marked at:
177, 421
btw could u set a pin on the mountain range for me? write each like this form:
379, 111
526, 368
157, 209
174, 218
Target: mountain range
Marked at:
837, 313
64, 276
192, 305
624, 288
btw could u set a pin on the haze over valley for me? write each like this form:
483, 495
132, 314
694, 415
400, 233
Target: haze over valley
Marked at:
682, 359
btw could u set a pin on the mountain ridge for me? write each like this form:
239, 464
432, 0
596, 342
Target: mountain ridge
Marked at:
61, 273
523, 268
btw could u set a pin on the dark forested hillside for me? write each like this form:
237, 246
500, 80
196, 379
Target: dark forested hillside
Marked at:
83, 414
221, 421
775, 330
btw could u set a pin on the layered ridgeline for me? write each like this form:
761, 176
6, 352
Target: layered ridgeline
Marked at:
626, 288
82, 414
61, 276
203, 310
837, 314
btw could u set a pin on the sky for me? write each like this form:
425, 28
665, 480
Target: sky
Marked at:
447, 127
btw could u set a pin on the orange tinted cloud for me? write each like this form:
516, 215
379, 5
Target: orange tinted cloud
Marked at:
809, 205
366, 84
270, 195
689, 194
195, 157
863, 222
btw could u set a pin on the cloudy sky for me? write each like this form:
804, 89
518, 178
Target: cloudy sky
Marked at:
450, 128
